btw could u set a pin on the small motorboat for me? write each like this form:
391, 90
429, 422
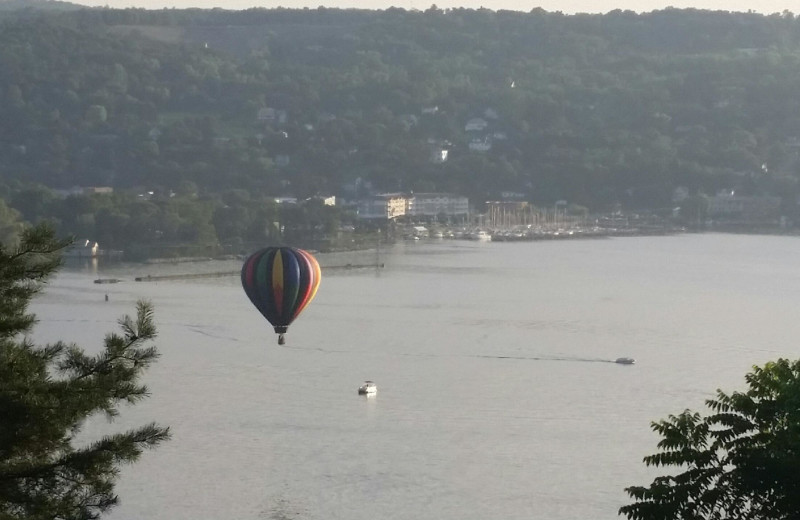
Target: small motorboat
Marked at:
368, 388
625, 361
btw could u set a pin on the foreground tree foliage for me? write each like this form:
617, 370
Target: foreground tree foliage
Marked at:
742, 462
48, 392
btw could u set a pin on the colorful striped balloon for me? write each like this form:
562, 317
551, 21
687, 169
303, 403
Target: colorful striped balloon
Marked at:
281, 281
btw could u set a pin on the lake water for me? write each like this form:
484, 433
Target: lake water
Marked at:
497, 397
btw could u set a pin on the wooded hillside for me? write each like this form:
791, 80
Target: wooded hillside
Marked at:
621, 108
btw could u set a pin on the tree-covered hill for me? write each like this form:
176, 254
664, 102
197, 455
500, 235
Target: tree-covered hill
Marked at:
37, 5
620, 108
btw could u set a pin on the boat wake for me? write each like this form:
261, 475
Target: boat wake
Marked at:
618, 361
550, 358
199, 330
324, 350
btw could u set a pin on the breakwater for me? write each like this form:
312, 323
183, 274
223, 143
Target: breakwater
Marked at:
189, 276
219, 274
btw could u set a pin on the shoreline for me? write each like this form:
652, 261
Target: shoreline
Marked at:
496, 236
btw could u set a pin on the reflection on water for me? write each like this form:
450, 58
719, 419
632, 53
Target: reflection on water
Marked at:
82, 265
498, 396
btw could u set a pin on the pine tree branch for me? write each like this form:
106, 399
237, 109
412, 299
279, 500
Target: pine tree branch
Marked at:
118, 448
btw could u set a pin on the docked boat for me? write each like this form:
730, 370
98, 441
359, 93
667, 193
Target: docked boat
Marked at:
368, 388
625, 361
480, 235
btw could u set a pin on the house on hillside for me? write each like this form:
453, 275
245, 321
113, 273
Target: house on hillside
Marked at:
476, 125
480, 145
439, 155
272, 115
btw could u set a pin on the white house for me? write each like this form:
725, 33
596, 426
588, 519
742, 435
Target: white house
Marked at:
439, 155
480, 145
476, 125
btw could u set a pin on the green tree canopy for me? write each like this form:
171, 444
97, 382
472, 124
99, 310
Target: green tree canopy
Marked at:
48, 392
741, 462
10, 225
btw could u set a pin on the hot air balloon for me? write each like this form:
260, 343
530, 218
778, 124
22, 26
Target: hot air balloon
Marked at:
280, 281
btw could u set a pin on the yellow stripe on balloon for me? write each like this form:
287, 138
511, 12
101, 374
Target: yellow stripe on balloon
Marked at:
314, 276
277, 271
277, 281
317, 277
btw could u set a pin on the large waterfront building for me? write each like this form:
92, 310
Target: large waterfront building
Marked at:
384, 206
423, 205
434, 204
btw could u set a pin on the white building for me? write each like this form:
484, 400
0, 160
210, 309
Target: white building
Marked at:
384, 206
475, 125
432, 204
439, 155
480, 145
393, 205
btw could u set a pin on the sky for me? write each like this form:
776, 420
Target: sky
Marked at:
565, 6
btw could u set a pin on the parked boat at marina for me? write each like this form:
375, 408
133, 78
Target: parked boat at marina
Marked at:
480, 235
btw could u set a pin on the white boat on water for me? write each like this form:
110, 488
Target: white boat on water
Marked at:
625, 361
480, 235
368, 388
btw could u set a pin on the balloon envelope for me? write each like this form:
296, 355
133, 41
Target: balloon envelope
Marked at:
281, 281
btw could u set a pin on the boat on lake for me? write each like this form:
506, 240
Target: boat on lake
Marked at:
625, 361
368, 388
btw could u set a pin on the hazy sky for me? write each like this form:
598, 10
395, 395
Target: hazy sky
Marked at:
565, 6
